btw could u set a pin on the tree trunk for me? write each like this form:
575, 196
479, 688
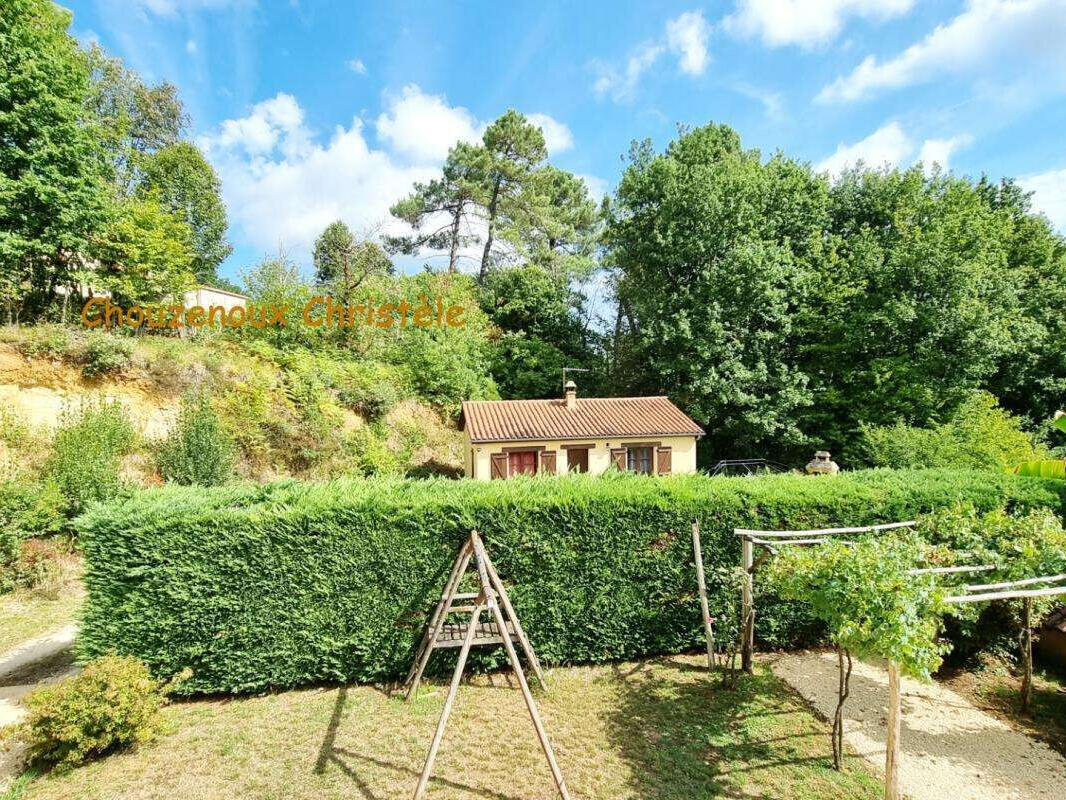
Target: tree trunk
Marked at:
1027, 653
843, 689
493, 203
453, 253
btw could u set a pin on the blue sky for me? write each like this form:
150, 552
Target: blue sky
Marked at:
313, 111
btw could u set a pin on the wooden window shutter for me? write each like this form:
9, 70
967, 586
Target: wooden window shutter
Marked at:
499, 465
618, 458
664, 464
547, 461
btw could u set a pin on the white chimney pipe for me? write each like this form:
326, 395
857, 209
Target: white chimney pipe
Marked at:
571, 394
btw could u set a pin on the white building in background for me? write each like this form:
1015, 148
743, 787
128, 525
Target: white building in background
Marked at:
207, 296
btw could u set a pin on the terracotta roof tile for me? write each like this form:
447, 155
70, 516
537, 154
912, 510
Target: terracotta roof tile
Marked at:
593, 417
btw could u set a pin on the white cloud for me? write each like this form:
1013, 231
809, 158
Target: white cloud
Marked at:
557, 136
890, 146
1049, 195
190, 46
274, 122
357, 66
807, 23
87, 38
687, 36
995, 36
282, 186
422, 127
939, 151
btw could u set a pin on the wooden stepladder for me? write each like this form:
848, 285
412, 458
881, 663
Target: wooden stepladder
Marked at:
502, 628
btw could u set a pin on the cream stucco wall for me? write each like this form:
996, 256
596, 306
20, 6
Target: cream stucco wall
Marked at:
478, 456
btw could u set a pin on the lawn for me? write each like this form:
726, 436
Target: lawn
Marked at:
657, 729
29, 613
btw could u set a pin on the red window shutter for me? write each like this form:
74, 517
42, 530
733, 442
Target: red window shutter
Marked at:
618, 458
547, 462
664, 465
499, 465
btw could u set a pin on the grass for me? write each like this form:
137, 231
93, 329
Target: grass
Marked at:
998, 691
29, 613
657, 729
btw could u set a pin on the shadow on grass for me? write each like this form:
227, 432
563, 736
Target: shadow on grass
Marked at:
348, 761
686, 738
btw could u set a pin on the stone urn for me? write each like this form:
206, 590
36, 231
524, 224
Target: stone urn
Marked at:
822, 464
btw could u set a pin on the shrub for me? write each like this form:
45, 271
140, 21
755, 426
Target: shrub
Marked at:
369, 453
104, 354
113, 703
374, 400
979, 435
14, 430
45, 341
197, 451
87, 450
31, 508
292, 583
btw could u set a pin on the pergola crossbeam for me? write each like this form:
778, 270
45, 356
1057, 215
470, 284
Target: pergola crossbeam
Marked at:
980, 598
1012, 584
950, 570
749, 533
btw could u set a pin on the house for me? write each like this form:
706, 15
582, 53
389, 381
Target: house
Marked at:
207, 296
635, 434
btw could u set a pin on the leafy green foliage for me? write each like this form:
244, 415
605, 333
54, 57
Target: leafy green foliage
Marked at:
147, 252
31, 508
714, 251
979, 435
869, 604
53, 194
45, 341
186, 185
113, 703
197, 452
87, 450
105, 354
294, 583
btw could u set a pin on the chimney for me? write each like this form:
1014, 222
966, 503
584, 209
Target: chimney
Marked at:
571, 394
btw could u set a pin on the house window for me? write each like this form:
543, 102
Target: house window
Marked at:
577, 459
522, 462
639, 459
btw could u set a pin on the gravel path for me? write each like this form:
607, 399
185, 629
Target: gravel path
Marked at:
950, 749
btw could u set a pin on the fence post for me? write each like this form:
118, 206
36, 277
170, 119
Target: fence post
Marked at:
702, 584
747, 606
892, 740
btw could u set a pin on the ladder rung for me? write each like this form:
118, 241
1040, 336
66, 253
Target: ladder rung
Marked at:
465, 596
487, 633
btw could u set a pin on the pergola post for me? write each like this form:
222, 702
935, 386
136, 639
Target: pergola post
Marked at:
747, 605
892, 739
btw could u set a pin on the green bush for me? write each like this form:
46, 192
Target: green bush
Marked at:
87, 451
105, 353
32, 509
197, 452
254, 587
374, 401
979, 435
45, 341
113, 703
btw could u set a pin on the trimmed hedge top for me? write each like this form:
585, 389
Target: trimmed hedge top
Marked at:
258, 587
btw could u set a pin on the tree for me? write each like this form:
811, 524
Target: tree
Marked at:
187, 186
135, 120
275, 281
344, 263
515, 149
442, 211
147, 253
558, 224
52, 191
543, 328
712, 251
915, 308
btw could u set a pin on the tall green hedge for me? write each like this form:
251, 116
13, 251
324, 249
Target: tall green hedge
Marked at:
295, 583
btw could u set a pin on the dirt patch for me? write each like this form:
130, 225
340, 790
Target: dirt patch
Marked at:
950, 749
